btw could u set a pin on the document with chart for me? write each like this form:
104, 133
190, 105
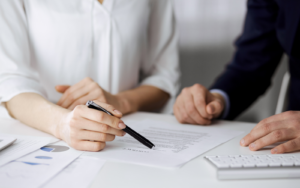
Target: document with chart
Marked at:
175, 144
36, 168
22, 146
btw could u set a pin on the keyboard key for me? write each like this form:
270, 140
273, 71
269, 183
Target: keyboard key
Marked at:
236, 165
274, 164
247, 156
214, 159
289, 161
264, 160
235, 156
278, 155
249, 165
287, 164
288, 157
253, 161
223, 156
222, 165
262, 165
210, 156
297, 164
262, 157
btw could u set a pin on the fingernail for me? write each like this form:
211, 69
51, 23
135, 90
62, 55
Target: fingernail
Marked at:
252, 145
274, 151
122, 125
118, 112
124, 133
242, 142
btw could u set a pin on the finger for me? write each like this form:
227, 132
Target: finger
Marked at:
180, 113
200, 94
109, 108
182, 116
99, 127
62, 88
73, 88
88, 146
290, 146
67, 96
96, 136
214, 108
177, 114
273, 137
278, 117
262, 130
81, 101
285, 119
185, 117
192, 112
71, 97
90, 96
98, 116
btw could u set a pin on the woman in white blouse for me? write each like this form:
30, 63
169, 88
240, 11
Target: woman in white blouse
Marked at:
121, 54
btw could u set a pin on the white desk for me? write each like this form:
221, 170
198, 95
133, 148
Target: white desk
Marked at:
196, 173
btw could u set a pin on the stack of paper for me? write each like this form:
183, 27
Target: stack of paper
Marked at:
175, 144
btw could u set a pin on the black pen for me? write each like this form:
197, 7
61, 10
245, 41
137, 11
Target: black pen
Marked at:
128, 130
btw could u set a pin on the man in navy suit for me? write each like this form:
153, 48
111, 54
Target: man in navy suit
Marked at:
272, 28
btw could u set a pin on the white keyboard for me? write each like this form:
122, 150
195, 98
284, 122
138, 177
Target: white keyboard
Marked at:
256, 166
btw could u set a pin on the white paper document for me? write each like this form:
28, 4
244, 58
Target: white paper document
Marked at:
175, 144
36, 168
22, 146
79, 174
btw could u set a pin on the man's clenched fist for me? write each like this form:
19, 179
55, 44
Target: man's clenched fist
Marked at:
197, 105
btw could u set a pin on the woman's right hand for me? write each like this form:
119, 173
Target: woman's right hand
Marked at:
88, 129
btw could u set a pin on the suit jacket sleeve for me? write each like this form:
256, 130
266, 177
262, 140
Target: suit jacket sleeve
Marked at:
258, 54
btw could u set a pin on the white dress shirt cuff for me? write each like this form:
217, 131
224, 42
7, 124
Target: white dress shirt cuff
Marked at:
15, 85
227, 101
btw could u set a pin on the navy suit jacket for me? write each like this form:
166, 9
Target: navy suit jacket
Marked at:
271, 29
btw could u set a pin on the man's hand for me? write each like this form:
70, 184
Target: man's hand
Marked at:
84, 91
196, 105
277, 128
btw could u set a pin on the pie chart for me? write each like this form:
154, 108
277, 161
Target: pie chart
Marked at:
54, 148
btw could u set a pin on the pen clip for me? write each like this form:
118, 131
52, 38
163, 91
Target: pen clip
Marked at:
92, 103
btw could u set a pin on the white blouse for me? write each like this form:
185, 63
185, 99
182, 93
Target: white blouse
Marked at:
120, 44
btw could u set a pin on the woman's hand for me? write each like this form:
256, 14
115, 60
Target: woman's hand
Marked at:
84, 91
277, 128
88, 129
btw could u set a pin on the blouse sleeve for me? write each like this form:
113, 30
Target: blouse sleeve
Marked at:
161, 69
16, 72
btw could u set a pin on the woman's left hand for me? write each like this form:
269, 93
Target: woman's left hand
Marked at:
83, 91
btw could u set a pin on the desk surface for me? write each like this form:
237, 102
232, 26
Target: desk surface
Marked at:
196, 173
